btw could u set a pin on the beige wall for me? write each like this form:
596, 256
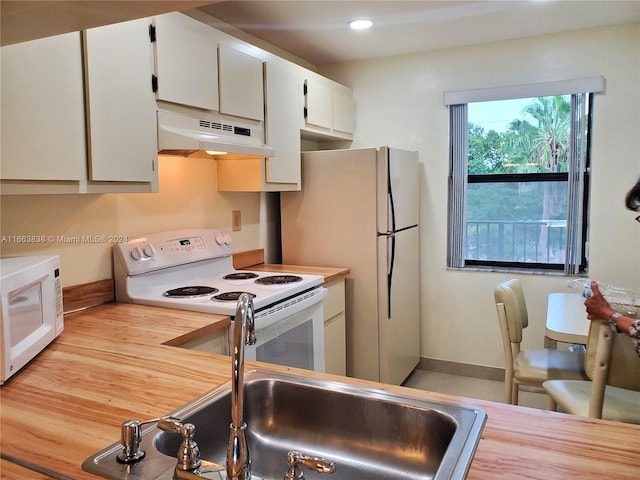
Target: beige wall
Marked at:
187, 199
399, 103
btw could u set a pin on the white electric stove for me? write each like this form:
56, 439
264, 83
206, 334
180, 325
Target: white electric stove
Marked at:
193, 270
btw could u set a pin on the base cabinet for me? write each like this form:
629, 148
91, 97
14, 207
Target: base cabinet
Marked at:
216, 342
335, 341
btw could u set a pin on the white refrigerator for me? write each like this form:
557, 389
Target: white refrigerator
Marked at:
359, 209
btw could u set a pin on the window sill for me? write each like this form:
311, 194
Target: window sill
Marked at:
522, 271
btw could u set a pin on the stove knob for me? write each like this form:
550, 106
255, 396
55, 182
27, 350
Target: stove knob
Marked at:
148, 250
136, 253
227, 239
220, 239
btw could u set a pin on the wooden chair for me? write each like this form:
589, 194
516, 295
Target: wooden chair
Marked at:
528, 369
613, 391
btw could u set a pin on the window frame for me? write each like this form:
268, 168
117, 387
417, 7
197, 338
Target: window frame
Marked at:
578, 177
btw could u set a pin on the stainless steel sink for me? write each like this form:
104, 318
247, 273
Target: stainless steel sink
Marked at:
368, 433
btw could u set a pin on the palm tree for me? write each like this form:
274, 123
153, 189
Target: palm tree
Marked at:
550, 150
553, 116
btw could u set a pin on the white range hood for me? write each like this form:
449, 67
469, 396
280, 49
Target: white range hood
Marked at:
193, 132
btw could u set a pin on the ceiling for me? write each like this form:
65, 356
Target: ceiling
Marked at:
317, 32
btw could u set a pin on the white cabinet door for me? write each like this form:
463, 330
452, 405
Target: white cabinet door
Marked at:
319, 103
42, 108
186, 61
282, 127
241, 84
328, 108
343, 112
121, 113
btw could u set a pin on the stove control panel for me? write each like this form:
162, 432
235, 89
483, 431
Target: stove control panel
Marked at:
169, 249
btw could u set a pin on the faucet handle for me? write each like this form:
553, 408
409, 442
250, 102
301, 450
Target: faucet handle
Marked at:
315, 464
189, 452
130, 438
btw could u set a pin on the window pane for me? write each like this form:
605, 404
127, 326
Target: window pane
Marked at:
517, 222
519, 136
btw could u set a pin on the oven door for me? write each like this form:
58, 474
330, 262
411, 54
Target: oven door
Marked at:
295, 341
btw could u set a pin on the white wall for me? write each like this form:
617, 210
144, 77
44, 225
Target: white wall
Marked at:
188, 198
399, 103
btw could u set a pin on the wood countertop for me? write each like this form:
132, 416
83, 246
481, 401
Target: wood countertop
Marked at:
254, 260
330, 274
113, 363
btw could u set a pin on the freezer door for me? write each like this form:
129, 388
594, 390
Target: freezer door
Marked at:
398, 189
399, 332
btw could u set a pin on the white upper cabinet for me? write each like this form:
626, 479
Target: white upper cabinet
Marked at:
328, 108
121, 103
42, 108
343, 111
186, 61
74, 124
241, 84
282, 128
282, 125
318, 103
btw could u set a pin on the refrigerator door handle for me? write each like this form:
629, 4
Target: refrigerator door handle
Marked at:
390, 236
392, 260
390, 274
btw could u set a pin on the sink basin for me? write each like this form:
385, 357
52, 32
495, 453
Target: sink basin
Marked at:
368, 433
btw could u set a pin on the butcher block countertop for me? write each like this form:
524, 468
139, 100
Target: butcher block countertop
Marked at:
254, 260
114, 362
330, 274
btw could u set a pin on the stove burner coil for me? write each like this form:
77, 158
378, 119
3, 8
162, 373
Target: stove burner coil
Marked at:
230, 296
190, 292
278, 279
240, 276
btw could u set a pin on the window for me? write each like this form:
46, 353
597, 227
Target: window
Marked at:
519, 176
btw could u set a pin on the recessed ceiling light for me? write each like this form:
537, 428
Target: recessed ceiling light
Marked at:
360, 24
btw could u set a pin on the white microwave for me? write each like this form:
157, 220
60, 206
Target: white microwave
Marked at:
31, 314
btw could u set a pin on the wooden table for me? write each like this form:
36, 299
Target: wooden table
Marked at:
566, 320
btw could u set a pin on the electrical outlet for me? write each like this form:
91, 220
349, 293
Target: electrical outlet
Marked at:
236, 221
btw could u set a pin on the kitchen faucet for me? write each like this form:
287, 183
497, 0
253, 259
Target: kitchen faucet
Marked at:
190, 465
238, 460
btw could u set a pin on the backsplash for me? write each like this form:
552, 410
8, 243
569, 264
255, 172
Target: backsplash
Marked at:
82, 228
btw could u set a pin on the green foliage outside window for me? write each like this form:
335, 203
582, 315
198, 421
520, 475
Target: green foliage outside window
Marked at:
536, 143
